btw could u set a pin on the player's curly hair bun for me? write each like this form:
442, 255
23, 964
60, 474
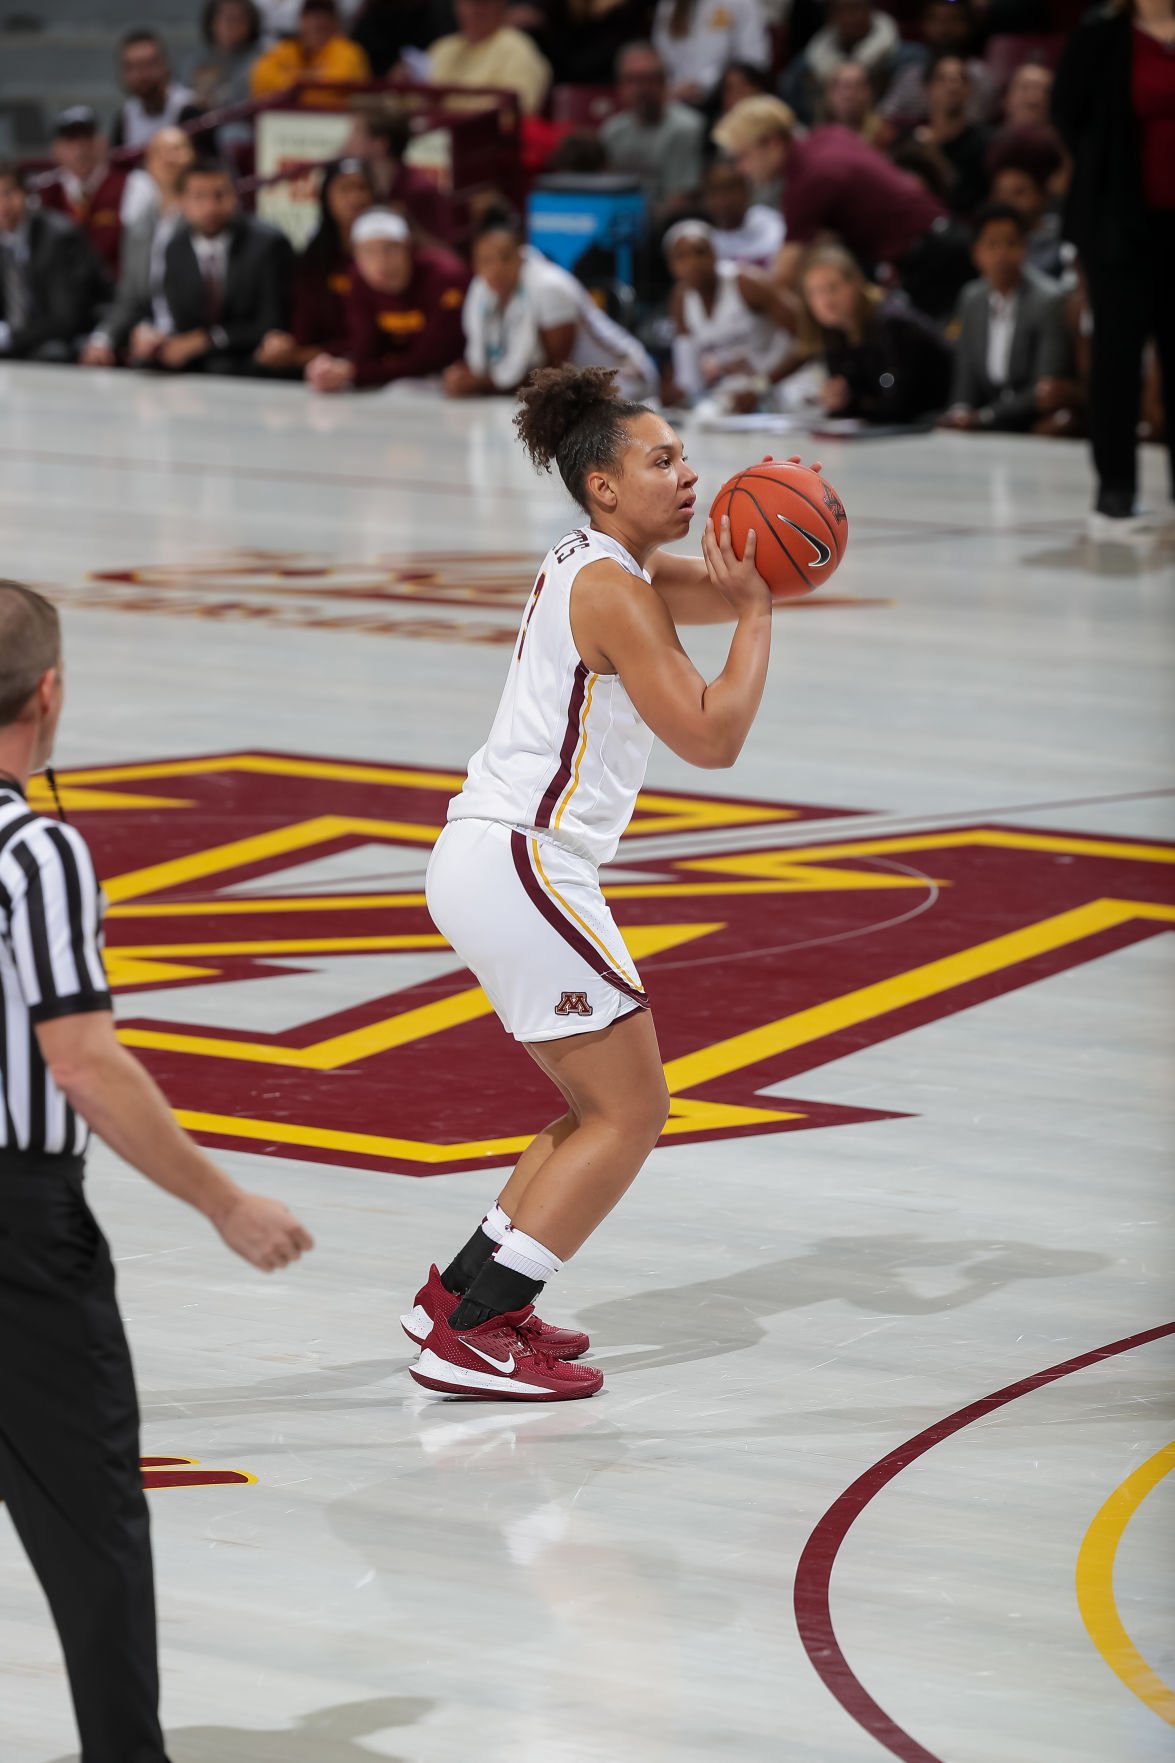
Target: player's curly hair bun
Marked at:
573, 417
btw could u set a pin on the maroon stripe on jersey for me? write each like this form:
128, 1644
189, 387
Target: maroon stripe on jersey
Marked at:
570, 933
562, 777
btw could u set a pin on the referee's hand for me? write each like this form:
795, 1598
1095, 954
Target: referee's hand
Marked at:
263, 1231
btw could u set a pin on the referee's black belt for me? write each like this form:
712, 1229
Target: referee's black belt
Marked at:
46, 1165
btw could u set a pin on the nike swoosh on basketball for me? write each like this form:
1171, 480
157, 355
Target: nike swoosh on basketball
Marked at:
505, 1366
821, 549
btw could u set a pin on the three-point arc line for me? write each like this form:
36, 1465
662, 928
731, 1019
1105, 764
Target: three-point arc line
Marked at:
814, 1572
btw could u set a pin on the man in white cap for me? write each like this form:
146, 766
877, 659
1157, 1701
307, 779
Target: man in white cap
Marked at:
403, 311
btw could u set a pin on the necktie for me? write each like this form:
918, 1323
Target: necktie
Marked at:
213, 288
14, 288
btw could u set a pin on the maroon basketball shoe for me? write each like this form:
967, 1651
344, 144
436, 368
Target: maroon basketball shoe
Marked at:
494, 1362
435, 1299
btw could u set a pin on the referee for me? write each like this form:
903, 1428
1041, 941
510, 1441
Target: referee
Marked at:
69, 1420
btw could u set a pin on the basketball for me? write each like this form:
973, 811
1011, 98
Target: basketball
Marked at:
801, 528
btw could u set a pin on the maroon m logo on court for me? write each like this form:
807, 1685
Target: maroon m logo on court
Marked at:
573, 1004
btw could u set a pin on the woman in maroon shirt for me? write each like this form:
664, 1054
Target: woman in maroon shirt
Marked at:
1114, 105
322, 274
403, 311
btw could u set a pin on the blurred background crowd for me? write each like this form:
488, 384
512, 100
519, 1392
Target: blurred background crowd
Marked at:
953, 212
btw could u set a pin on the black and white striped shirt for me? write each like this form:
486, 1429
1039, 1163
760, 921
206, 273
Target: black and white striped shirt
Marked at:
50, 965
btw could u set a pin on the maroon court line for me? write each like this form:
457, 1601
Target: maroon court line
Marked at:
814, 1573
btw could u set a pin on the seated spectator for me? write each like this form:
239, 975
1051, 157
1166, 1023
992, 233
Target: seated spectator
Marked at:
50, 279
961, 144
885, 362
652, 136
319, 53
732, 327
1010, 332
1028, 99
1062, 404
523, 312
387, 30
279, 18
154, 100
582, 38
1022, 164
855, 32
741, 231
848, 100
743, 79
226, 281
231, 30
698, 39
923, 163
948, 28
834, 182
138, 298
486, 51
154, 184
322, 274
379, 137
85, 187
403, 311
581, 151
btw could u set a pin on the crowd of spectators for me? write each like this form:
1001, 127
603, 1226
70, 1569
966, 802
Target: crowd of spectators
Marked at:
845, 215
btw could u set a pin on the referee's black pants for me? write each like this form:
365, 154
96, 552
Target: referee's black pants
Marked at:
1131, 299
69, 1453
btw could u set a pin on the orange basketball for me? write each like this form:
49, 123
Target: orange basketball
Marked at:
801, 528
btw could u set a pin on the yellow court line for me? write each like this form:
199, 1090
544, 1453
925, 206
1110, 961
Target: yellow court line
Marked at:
1095, 1586
913, 987
328, 1055
282, 946
670, 890
214, 908
393, 776
632, 978
688, 1118
1059, 843
583, 734
281, 842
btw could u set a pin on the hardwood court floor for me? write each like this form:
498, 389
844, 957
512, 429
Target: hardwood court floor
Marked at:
912, 971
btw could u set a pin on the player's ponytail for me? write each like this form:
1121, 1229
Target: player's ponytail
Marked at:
572, 417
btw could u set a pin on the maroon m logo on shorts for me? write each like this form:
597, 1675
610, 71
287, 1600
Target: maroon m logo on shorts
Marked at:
573, 1004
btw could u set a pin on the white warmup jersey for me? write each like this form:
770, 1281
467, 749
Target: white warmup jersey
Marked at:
504, 342
513, 882
726, 337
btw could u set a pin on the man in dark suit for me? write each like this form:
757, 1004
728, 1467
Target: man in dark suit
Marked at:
1011, 343
226, 280
50, 280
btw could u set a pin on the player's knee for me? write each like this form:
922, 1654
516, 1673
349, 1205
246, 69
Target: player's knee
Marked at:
653, 1112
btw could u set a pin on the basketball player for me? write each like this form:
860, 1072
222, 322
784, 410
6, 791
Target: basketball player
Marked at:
513, 881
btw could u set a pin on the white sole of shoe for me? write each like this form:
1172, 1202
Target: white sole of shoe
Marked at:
436, 1373
417, 1325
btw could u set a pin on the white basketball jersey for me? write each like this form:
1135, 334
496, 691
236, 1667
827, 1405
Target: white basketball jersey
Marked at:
567, 752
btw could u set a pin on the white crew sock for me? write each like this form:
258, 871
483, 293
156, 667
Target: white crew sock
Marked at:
527, 1256
495, 1224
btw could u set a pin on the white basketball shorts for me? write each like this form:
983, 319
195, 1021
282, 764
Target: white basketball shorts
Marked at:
528, 918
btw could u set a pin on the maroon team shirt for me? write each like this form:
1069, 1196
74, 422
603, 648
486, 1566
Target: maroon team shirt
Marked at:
836, 182
97, 214
408, 335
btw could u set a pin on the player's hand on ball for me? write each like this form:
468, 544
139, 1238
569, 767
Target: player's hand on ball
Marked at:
737, 581
263, 1231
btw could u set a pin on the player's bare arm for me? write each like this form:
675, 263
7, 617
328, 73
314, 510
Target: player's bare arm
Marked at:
614, 615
